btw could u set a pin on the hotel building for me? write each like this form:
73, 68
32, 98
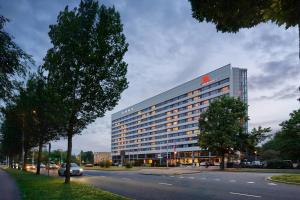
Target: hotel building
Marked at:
166, 126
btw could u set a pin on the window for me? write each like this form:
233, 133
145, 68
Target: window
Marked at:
174, 123
225, 89
189, 132
175, 129
190, 106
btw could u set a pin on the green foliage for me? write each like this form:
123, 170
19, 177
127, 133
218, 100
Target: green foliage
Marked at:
279, 164
87, 157
256, 136
86, 64
11, 133
13, 61
231, 16
128, 165
270, 154
105, 164
222, 126
287, 141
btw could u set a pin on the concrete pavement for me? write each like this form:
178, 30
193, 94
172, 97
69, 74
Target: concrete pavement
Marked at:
204, 185
8, 188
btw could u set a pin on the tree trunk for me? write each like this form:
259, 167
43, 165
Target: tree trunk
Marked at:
25, 161
38, 167
222, 165
69, 152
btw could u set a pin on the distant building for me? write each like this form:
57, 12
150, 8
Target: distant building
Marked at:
166, 126
101, 156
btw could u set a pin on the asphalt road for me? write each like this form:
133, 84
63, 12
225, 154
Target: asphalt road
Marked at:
205, 185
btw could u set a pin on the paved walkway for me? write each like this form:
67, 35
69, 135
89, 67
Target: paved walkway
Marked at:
8, 188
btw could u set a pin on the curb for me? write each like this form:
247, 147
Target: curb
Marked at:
277, 181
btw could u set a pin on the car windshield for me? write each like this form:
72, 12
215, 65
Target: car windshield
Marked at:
74, 165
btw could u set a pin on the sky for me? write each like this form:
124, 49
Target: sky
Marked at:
168, 47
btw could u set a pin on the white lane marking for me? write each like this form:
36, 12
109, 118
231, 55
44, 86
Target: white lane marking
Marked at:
232, 181
102, 176
217, 179
126, 178
181, 176
272, 184
164, 183
250, 182
203, 178
172, 176
191, 177
247, 195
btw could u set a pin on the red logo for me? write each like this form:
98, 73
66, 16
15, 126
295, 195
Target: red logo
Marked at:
205, 79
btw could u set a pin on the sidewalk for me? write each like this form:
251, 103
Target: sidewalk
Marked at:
8, 188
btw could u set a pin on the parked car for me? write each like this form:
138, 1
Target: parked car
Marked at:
42, 165
52, 166
89, 165
75, 170
30, 167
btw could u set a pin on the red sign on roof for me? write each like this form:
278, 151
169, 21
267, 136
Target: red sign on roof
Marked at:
205, 79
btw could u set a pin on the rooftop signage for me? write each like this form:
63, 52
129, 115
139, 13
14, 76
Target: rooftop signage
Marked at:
205, 79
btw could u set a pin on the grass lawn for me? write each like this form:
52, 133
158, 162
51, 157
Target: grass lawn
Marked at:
290, 171
34, 187
290, 178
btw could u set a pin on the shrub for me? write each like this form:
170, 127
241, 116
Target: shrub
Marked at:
102, 164
107, 164
128, 165
279, 164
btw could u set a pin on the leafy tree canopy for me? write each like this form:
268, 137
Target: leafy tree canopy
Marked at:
222, 126
231, 16
13, 62
86, 65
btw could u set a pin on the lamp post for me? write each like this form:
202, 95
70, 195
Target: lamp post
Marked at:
167, 150
22, 141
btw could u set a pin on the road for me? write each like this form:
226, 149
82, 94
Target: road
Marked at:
204, 185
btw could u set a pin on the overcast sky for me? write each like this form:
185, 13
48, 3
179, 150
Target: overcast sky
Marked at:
168, 47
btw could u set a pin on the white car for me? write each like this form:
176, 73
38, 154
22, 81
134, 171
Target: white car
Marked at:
75, 170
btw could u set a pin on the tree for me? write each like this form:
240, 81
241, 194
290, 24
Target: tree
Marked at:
85, 65
256, 136
287, 141
87, 157
231, 16
222, 126
11, 134
44, 103
13, 62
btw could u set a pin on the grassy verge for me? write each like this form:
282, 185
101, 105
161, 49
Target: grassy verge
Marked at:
290, 171
289, 178
35, 187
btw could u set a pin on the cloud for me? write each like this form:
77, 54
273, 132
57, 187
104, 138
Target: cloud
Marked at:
168, 47
288, 92
276, 73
